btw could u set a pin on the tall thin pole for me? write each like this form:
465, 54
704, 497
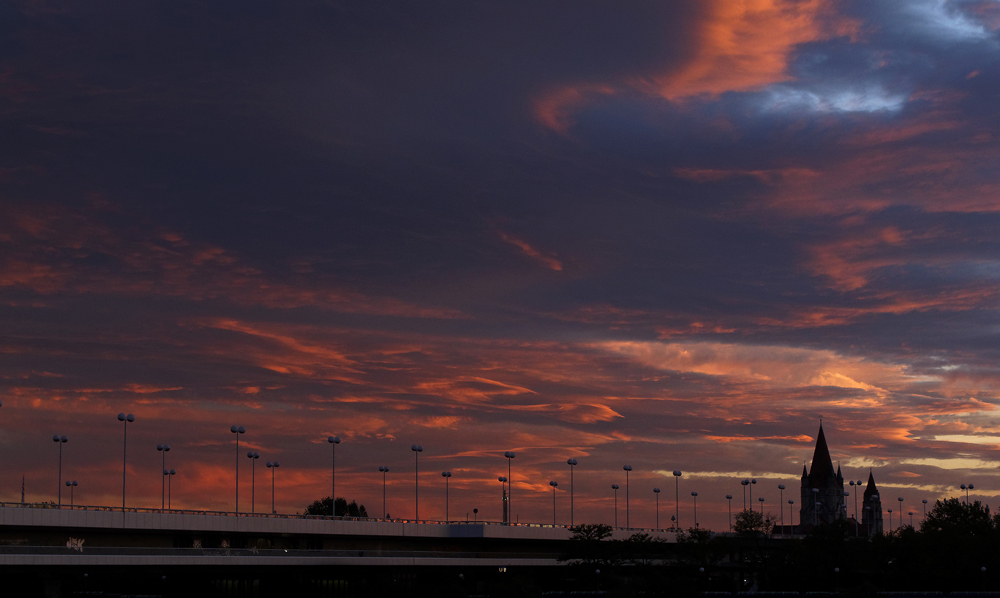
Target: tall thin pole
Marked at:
628, 525
253, 485
59, 482
124, 463
417, 449
238, 473
334, 441
447, 517
677, 500
781, 501
571, 463
163, 466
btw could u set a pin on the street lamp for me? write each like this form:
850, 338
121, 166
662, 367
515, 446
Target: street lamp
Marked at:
781, 499
967, 488
677, 500
761, 499
729, 497
656, 492
417, 449
752, 482
72, 486
125, 419
503, 498
60, 440
384, 471
900, 499
253, 480
238, 430
910, 513
169, 474
745, 482
627, 469
272, 466
510, 484
553, 483
334, 441
924, 501
791, 514
890, 519
856, 506
571, 463
615, 488
446, 475
163, 448
694, 496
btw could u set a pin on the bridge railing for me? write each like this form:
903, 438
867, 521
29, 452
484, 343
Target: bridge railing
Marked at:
46, 505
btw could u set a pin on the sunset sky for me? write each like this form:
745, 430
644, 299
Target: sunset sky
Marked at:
673, 235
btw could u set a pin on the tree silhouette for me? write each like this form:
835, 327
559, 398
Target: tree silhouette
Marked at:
343, 509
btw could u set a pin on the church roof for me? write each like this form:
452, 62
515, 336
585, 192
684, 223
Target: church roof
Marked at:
871, 489
822, 464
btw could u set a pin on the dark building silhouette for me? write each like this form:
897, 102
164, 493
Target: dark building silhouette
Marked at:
871, 516
822, 493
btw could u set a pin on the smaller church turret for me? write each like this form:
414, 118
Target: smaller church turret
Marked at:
871, 517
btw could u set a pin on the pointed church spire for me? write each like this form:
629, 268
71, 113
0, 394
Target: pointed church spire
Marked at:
822, 464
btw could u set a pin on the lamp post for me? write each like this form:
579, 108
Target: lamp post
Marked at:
677, 499
503, 497
272, 466
729, 497
509, 455
170, 476
656, 492
72, 486
890, 519
125, 419
910, 513
334, 441
384, 471
924, 501
615, 488
628, 523
446, 475
553, 483
791, 514
253, 480
417, 449
781, 500
855, 508
694, 496
237, 430
60, 440
571, 463
900, 499
752, 482
761, 499
163, 448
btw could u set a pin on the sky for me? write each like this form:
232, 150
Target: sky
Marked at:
671, 235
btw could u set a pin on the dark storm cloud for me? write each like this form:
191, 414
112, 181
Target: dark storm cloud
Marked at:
673, 234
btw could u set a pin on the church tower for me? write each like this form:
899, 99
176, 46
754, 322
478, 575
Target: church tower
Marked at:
822, 495
871, 518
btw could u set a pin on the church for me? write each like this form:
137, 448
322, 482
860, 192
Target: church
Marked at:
823, 497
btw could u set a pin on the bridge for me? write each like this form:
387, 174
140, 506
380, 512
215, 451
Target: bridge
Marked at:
77, 546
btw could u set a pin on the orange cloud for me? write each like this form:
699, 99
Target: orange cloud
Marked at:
546, 260
740, 46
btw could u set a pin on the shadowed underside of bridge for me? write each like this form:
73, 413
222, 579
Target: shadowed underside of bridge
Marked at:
53, 552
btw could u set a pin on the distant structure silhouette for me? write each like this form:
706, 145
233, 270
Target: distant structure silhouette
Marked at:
871, 518
822, 496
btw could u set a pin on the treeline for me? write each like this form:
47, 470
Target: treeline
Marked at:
956, 548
